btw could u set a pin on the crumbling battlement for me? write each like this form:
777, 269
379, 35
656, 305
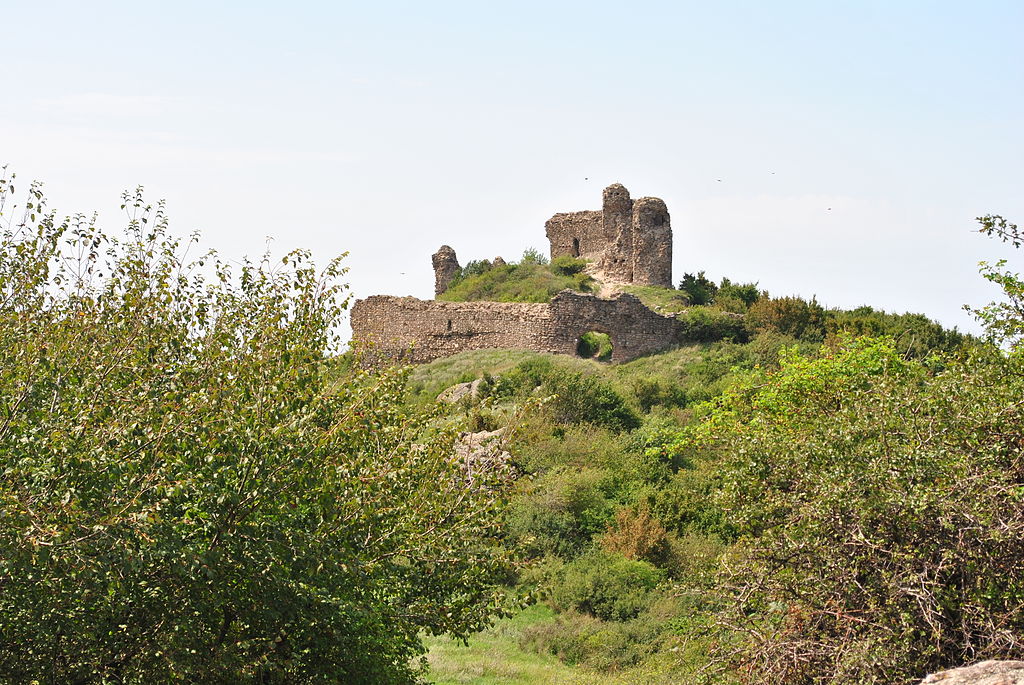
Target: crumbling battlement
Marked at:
419, 331
629, 240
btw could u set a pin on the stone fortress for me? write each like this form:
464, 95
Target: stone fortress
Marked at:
626, 242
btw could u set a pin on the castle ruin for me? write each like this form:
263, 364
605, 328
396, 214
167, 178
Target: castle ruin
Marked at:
630, 241
627, 242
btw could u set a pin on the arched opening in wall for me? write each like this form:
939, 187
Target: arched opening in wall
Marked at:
595, 345
575, 247
449, 330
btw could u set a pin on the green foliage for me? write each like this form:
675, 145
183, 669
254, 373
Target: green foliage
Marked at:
534, 256
746, 293
853, 478
559, 512
915, 334
607, 585
586, 398
190, 492
699, 289
531, 280
475, 267
792, 316
1003, 321
568, 266
595, 345
705, 324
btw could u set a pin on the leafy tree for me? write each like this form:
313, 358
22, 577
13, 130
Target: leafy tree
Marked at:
189, 492
792, 316
747, 293
699, 289
532, 255
1004, 321
880, 512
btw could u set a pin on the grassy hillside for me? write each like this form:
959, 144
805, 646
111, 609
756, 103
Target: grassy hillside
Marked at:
532, 279
620, 528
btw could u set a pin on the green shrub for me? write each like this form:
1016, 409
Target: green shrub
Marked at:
528, 281
568, 266
746, 293
595, 345
704, 324
190, 493
855, 478
606, 585
534, 256
586, 398
793, 316
699, 289
651, 391
560, 511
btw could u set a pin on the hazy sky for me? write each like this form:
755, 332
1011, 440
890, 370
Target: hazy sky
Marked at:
388, 128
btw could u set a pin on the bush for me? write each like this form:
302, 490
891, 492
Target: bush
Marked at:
746, 293
534, 256
528, 281
607, 586
702, 324
699, 289
568, 266
595, 345
792, 316
191, 493
880, 504
560, 512
586, 398
637, 535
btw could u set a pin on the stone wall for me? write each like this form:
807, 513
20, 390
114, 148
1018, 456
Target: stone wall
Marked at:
419, 331
631, 241
635, 330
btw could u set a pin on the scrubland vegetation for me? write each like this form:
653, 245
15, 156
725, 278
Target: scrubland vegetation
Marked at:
796, 495
200, 486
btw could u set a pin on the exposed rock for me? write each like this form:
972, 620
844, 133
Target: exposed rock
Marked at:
482, 451
984, 673
446, 265
459, 390
498, 261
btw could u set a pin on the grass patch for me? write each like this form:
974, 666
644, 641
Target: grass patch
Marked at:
527, 281
661, 300
494, 657
594, 345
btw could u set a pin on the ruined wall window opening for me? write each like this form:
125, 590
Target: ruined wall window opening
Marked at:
595, 345
449, 325
575, 247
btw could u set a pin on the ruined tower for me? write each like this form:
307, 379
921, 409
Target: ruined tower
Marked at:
629, 240
446, 266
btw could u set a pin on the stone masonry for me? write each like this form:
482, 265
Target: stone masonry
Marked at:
629, 240
419, 331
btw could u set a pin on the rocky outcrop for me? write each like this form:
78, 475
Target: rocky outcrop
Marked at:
483, 452
460, 390
984, 673
446, 267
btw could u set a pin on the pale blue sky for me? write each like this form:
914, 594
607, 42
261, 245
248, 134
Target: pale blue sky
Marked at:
389, 128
